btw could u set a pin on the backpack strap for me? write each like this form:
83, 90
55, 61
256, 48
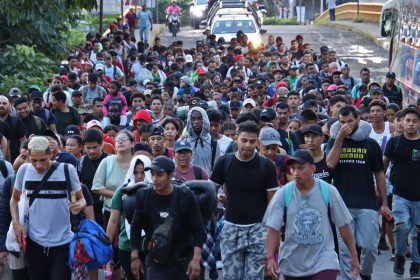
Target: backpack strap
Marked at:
3, 169
325, 191
198, 174
213, 151
288, 194
38, 123
67, 177
109, 165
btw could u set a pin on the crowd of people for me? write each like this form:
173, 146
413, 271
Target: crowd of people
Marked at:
307, 161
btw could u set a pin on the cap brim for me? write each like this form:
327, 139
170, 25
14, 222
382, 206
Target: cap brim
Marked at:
182, 149
155, 168
312, 131
298, 160
270, 142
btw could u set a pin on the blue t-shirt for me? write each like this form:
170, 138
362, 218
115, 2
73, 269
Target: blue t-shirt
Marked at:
144, 18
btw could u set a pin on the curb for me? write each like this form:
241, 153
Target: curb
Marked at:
381, 43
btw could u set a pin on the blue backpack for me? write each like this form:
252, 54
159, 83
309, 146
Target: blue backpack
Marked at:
325, 192
96, 243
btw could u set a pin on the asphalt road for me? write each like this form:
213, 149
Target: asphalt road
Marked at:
351, 48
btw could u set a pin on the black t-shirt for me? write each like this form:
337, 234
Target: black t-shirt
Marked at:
33, 126
17, 129
5, 129
246, 186
405, 155
86, 169
354, 172
394, 95
322, 171
188, 227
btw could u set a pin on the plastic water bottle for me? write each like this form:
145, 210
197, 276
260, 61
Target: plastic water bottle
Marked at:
108, 271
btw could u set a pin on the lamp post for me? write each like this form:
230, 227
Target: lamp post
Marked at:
101, 16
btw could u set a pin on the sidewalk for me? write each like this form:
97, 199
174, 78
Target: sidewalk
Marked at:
368, 30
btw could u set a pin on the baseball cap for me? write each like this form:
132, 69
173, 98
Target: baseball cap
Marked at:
85, 108
36, 94
156, 130
15, 92
269, 136
302, 157
268, 114
131, 83
259, 83
313, 128
72, 130
93, 123
249, 101
33, 88
196, 102
99, 67
72, 76
391, 75
235, 104
50, 133
188, 58
161, 164
332, 87
76, 93
182, 145
146, 82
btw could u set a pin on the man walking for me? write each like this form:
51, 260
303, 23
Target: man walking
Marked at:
145, 18
308, 248
47, 186
355, 164
154, 207
404, 152
250, 182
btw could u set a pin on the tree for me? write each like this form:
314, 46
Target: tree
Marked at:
41, 23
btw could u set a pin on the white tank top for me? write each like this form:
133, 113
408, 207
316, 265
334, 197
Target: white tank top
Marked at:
381, 138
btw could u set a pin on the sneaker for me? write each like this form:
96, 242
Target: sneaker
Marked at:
364, 277
414, 270
392, 258
219, 265
399, 266
382, 245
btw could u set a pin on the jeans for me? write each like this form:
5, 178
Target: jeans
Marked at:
243, 251
407, 219
365, 230
332, 14
144, 34
177, 270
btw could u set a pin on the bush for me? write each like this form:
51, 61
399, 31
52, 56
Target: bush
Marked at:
280, 21
23, 66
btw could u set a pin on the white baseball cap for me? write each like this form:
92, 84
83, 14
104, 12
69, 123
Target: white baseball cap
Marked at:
249, 101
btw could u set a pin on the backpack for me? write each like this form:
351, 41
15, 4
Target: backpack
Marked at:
325, 192
394, 161
94, 240
160, 244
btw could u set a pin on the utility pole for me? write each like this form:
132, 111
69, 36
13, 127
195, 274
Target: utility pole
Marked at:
122, 9
101, 16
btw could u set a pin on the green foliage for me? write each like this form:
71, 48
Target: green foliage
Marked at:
23, 66
41, 23
92, 21
280, 21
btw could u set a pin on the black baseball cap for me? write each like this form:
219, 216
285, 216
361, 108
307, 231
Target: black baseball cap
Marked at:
302, 157
313, 128
161, 164
268, 114
391, 75
156, 130
36, 94
235, 104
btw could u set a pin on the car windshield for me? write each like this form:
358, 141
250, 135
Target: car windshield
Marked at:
233, 26
201, 2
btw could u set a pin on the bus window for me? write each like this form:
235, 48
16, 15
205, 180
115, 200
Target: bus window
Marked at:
387, 22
